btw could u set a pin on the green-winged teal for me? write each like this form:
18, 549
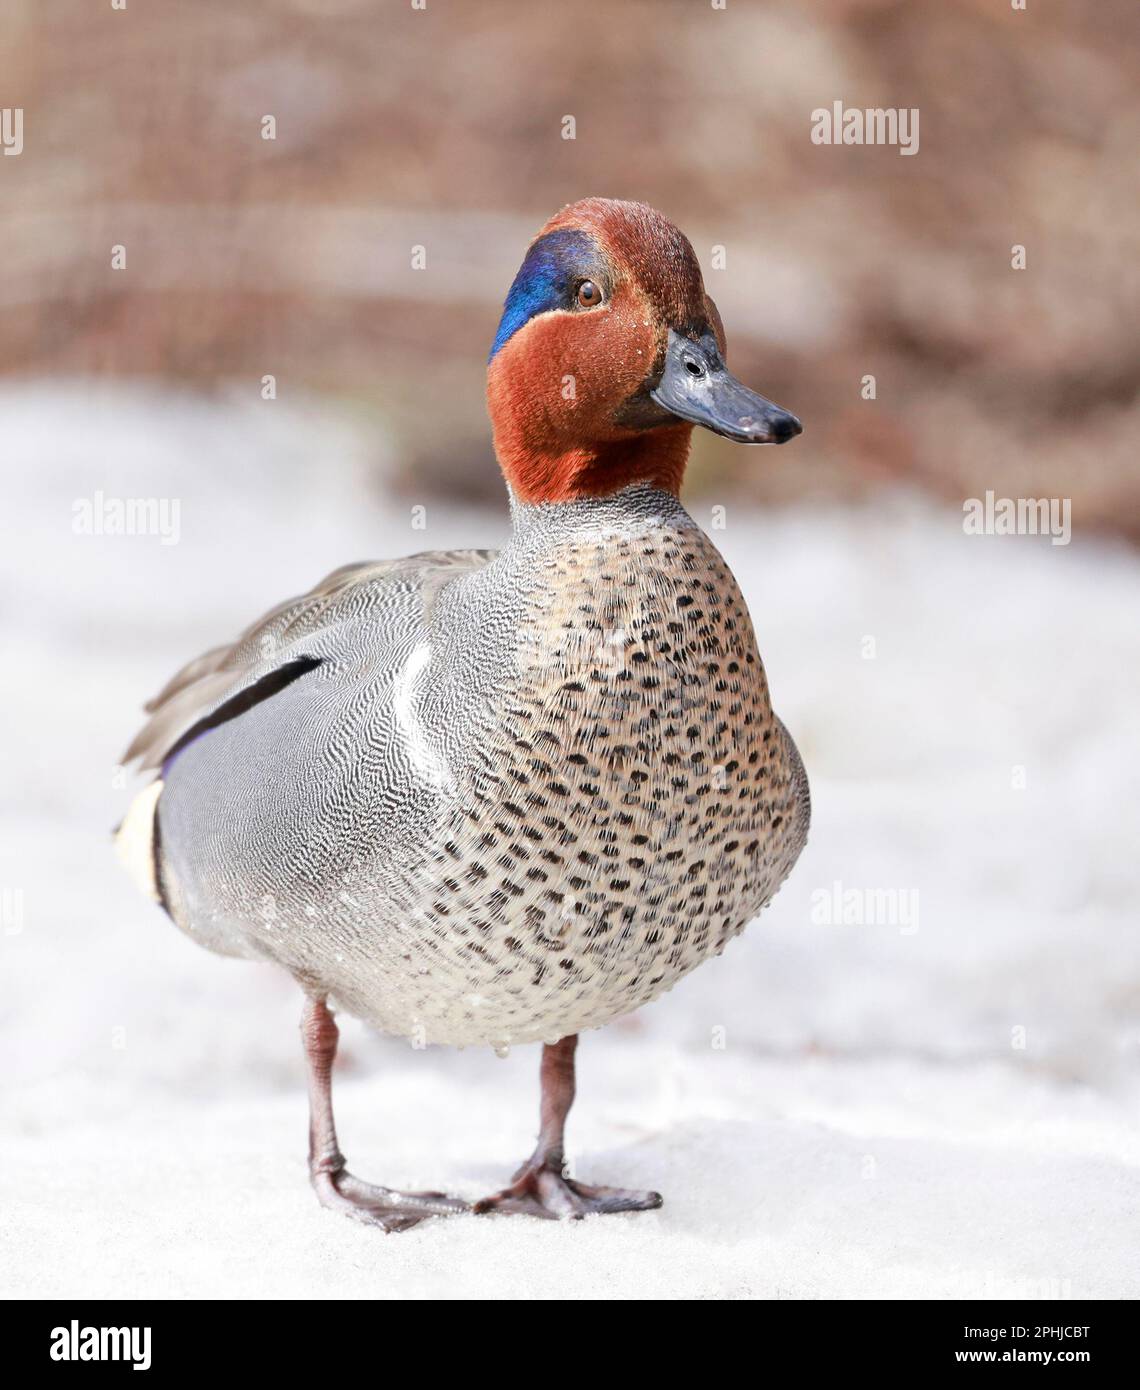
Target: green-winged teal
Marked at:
503, 796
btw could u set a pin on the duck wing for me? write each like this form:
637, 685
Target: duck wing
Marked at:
289, 640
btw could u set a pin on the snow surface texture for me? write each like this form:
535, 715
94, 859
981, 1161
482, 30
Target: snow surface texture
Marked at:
944, 1111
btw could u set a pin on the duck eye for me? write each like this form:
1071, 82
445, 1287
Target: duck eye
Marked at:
589, 294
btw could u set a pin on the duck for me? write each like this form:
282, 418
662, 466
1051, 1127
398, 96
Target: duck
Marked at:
501, 797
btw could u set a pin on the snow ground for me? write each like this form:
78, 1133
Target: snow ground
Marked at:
940, 1108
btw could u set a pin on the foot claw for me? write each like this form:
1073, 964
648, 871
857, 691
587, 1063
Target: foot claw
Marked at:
544, 1192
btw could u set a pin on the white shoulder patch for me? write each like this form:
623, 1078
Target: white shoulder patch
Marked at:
426, 759
134, 839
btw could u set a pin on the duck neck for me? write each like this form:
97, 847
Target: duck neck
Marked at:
639, 507
655, 458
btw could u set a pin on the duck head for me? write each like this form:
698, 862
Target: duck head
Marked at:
608, 353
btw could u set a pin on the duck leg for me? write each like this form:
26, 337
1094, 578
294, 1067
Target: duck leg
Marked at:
335, 1186
541, 1187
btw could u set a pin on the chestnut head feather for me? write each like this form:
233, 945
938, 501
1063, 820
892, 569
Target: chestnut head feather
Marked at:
608, 352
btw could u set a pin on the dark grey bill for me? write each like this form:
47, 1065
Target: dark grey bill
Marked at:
696, 386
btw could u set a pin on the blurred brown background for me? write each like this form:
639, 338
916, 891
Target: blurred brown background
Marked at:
442, 128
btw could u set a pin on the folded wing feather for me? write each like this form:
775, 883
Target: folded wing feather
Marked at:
299, 629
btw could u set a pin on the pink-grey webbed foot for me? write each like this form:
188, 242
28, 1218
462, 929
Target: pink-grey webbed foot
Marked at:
335, 1186
540, 1187
380, 1206
541, 1190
